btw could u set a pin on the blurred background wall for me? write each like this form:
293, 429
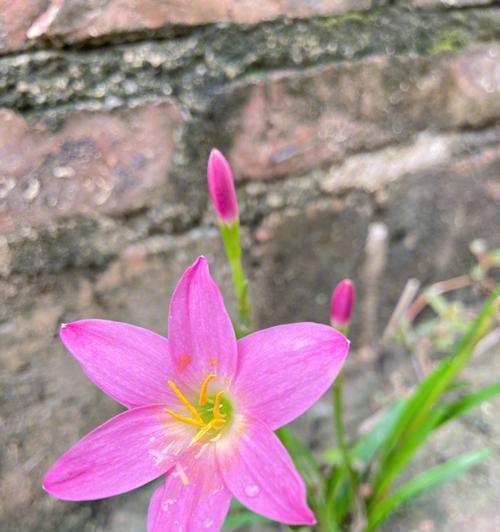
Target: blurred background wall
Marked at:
335, 114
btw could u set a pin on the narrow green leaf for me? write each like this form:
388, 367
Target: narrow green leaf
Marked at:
437, 302
243, 518
423, 482
368, 445
462, 405
332, 456
413, 425
307, 466
303, 458
366, 448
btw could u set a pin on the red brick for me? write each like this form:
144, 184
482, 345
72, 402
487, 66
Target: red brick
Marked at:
16, 17
450, 3
97, 161
294, 121
74, 20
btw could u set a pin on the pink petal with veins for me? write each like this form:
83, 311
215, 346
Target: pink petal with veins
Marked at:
124, 453
259, 472
130, 364
283, 370
200, 503
202, 339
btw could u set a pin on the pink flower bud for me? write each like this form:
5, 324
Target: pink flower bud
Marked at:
221, 187
342, 304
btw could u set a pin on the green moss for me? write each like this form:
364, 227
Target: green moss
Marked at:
448, 41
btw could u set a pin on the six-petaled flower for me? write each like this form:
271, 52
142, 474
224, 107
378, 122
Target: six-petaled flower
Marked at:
201, 409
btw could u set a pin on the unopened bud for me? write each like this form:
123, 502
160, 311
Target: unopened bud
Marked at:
342, 304
221, 187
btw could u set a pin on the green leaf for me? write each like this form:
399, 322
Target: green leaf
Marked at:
366, 448
302, 457
418, 417
423, 482
368, 445
436, 301
332, 456
243, 518
472, 400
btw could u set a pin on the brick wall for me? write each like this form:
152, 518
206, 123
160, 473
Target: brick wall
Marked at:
335, 114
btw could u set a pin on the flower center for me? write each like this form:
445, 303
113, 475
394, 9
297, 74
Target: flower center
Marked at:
211, 415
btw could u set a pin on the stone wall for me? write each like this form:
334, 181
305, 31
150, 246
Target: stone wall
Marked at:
335, 114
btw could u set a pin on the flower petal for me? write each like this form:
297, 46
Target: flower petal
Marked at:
260, 474
201, 335
124, 453
283, 370
155, 508
128, 363
202, 504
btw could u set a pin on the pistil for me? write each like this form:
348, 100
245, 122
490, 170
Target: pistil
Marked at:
200, 414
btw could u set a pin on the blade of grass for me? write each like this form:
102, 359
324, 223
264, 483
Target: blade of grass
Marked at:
352, 495
423, 482
243, 518
472, 400
304, 460
400, 443
307, 466
368, 445
366, 448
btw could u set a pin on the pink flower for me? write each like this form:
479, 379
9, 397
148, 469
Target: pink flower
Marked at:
342, 304
221, 187
202, 408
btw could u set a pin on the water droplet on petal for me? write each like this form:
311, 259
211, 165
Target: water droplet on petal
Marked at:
168, 502
152, 439
208, 522
252, 490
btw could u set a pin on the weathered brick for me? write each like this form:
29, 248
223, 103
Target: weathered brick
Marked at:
294, 121
74, 20
433, 210
450, 3
16, 17
47, 401
95, 162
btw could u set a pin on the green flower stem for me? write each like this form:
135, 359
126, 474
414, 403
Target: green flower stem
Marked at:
231, 237
359, 514
341, 441
339, 429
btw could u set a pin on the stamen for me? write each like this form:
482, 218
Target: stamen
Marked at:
209, 407
202, 432
201, 451
188, 405
203, 392
184, 419
182, 474
218, 397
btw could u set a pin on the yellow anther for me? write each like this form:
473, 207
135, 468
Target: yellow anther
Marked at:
219, 419
218, 397
188, 405
185, 419
203, 392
